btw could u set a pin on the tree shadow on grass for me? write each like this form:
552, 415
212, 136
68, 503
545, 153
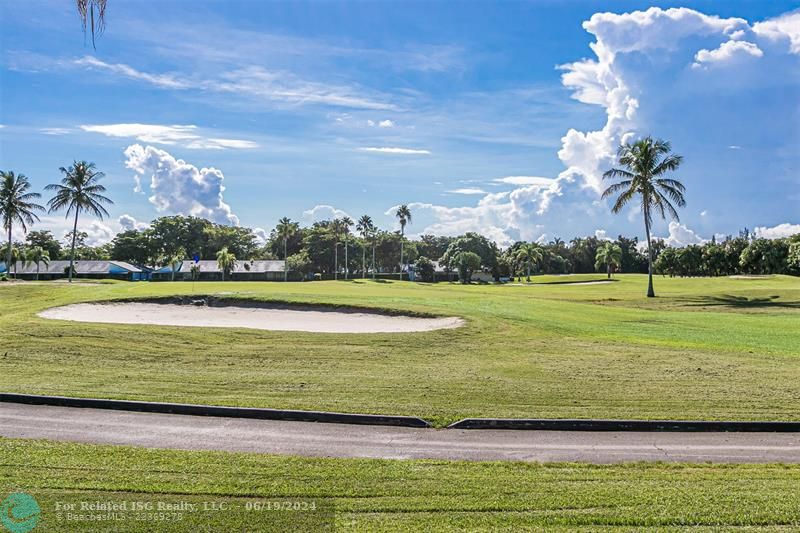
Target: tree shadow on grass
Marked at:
743, 302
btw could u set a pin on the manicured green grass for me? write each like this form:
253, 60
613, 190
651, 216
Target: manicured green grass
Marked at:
704, 349
399, 495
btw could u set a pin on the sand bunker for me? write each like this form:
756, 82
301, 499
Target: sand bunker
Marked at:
599, 282
276, 318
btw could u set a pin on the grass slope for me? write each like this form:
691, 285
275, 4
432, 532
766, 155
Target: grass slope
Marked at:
704, 349
377, 495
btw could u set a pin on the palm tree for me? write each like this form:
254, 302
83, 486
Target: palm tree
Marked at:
16, 205
285, 229
645, 163
336, 228
347, 223
528, 254
38, 255
610, 255
78, 191
403, 214
17, 255
365, 227
226, 261
175, 259
93, 15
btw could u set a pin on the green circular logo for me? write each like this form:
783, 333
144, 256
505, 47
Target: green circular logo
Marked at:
19, 513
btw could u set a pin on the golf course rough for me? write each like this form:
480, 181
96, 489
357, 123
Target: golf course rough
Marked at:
392, 495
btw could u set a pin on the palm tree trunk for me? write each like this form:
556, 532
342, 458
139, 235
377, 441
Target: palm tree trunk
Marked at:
72, 252
8, 252
529, 272
336, 262
345, 257
650, 292
608, 270
373, 261
402, 236
363, 262
285, 265
37, 270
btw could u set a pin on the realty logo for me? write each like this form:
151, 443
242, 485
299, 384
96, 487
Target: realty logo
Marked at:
19, 513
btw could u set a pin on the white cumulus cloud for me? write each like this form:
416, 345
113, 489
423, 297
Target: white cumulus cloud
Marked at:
785, 27
97, 233
179, 187
727, 52
777, 232
602, 235
324, 212
128, 223
680, 235
262, 236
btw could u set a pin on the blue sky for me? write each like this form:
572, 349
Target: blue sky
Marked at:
483, 116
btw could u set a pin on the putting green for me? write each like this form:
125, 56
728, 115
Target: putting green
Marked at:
704, 349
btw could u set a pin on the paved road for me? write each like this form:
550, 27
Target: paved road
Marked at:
339, 440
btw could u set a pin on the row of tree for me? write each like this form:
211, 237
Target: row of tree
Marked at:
342, 247
332, 247
744, 254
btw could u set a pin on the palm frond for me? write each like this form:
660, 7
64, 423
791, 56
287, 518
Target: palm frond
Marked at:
618, 173
671, 183
622, 200
616, 187
668, 164
674, 194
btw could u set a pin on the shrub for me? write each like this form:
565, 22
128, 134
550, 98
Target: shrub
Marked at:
299, 263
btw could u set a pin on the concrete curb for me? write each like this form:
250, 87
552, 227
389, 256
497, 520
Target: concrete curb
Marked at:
541, 424
221, 411
626, 425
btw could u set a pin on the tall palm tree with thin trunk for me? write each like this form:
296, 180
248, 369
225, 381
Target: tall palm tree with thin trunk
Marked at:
337, 226
38, 255
79, 191
226, 261
347, 223
529, 254
645, 163
403, 214
365, 227
16, 206
608, 255
285, 229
